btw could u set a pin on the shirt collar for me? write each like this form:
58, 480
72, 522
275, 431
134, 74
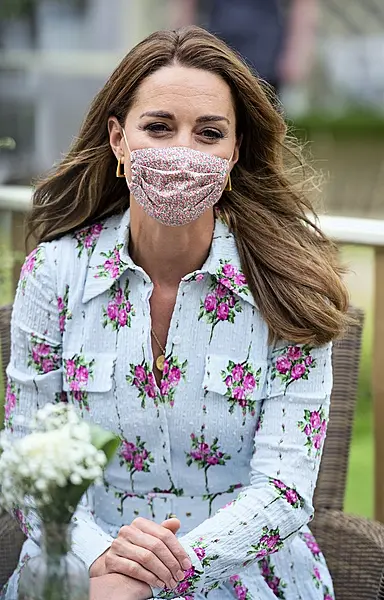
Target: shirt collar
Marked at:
110, 259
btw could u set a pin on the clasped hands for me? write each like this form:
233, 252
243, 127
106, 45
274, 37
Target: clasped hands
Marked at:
144, 554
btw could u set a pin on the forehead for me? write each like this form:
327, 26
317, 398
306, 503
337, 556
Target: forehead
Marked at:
177, 87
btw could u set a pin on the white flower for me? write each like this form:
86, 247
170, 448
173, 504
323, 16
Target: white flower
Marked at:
58, 453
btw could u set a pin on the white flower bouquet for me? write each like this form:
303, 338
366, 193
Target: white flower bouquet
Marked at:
55, 464
47, 472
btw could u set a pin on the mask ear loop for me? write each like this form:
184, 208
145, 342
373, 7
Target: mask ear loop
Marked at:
228, 185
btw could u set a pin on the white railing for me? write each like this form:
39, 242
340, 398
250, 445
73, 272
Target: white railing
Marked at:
14, 201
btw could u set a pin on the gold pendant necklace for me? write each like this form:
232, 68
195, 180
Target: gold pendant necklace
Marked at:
160, 359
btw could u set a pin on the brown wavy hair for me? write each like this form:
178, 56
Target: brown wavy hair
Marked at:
291, 267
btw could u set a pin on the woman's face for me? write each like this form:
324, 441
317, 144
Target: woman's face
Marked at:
179, 106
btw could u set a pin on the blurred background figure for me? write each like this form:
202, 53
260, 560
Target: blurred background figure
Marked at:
276, 37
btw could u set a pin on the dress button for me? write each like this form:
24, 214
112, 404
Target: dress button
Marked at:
177, 339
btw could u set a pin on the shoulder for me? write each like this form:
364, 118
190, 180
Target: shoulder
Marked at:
67, 255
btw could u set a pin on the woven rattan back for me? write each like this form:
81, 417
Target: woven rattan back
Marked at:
331, 484
5, 337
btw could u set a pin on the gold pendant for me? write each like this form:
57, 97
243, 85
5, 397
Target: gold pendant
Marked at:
160, 362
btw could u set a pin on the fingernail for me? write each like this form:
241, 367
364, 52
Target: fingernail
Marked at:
160, 584
186, 564
179, 575
173, 584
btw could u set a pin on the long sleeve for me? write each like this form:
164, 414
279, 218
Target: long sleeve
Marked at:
35, 378
277, 503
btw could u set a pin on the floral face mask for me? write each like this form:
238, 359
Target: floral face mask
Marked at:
176, 185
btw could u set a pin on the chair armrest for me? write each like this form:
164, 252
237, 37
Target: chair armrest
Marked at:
354, 549
11, 541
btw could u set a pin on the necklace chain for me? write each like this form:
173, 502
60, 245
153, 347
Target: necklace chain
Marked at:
157, 341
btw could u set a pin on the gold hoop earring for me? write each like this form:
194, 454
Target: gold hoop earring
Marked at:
119, 169
228, 187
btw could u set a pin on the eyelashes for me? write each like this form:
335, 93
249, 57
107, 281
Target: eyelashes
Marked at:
159, 129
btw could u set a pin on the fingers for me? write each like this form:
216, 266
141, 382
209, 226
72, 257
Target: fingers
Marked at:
150, 552
168, 539
173, 524
134, 549
133, 569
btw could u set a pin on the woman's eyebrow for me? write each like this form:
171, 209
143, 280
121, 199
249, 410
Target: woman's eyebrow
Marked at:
161, 114
208, 118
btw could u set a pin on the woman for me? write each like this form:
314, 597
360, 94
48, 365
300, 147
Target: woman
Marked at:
168, 323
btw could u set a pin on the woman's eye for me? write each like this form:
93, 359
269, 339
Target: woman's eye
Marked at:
156, 127
213, 134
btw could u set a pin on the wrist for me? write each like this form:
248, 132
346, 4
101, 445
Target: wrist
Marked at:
141, 590
98, 568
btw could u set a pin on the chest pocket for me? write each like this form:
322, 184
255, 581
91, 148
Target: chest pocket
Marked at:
85, 373
239, 379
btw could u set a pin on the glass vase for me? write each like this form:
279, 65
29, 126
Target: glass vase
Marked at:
56, 573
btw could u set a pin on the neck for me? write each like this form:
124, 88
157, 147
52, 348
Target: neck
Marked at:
165, 253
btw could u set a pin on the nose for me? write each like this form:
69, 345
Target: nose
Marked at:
184, 138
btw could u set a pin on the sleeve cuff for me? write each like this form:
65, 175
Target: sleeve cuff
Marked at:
90, 542
191, 584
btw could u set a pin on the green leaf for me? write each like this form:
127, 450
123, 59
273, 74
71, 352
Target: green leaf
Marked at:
104, 440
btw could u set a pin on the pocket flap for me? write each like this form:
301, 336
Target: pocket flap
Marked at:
234, 376
91, 372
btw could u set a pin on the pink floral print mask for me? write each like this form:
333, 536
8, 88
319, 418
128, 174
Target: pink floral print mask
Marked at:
176, 185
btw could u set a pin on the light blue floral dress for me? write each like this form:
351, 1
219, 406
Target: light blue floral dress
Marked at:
230, 441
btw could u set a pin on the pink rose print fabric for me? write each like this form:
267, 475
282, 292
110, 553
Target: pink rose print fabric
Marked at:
142, 378
61, 397
30, 266
287, 493
136, 458
113, 266
230, 452
312, 545
241, 591
241, 381
221, 304
24, 525
119, 310
292, 363
276, 584
314, 426
260, 421
269, 543
174, 371
87, 239
43, 357
12, 394
205, 456
64, 313
316, 577
77, 373
212, 497
186, 587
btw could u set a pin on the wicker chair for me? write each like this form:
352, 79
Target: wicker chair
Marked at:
353, 546
11, 537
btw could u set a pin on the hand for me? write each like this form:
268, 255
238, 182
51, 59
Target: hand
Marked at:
118, 587
147, 552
